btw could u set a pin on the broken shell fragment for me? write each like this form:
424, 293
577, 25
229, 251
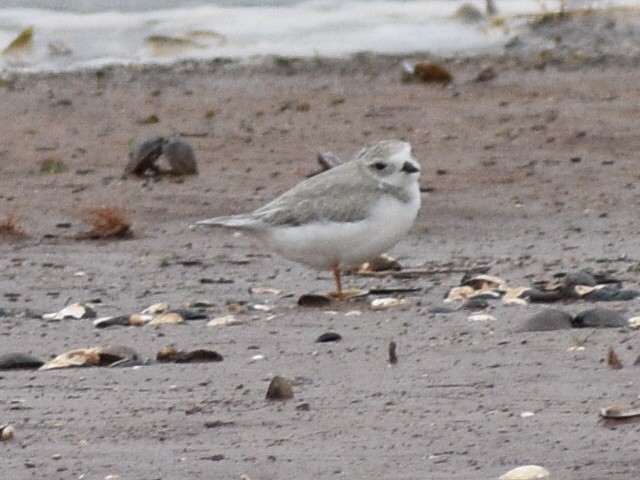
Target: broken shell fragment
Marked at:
634, 322
143, 157
6, 432
460, 293
390, 302
485, 282
170, 354
121, 320
139, 319
87, 357
225, 320
280, 388
481, 317
181, 157
22, 44
156, 308
168, 318
515, 296
265, 290
77, 311
526, 472
620, 411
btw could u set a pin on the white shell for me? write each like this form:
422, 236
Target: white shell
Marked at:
526, 472
382, 303
226, 320
75, 310
168, 318
156, 308
6, 432
482, 317
634, 322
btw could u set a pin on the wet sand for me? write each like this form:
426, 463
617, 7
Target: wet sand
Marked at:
532, 173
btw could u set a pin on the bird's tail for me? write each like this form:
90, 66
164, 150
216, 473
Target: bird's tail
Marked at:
230, 221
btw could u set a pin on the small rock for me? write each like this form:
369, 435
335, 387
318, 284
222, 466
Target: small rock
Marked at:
19, 361
329, 337
393, 358
181, 157
279, 389
486, 74
613, 360
6, 432
381, 263
476, 304
600, 317
143, 157
314, 300
547, 320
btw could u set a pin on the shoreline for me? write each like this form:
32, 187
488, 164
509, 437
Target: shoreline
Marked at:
564, 40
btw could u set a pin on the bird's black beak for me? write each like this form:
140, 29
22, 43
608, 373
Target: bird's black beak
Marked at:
409, 167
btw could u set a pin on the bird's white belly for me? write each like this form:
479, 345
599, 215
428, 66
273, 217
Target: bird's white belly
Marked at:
322, 244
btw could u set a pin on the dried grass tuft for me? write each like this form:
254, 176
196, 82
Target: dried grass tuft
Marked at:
107, 223
9, 227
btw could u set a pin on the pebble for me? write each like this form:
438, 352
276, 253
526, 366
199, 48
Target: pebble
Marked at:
6, 432
181, 157
143, 157
313, 300
280, 388
600, 317
19, 361
329, 337
546, 320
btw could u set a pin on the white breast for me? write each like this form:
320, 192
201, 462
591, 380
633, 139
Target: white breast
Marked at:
321, 244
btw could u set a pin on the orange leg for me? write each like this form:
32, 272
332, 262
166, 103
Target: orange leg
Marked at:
335, 268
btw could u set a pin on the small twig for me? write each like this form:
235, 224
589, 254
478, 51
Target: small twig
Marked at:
418, 272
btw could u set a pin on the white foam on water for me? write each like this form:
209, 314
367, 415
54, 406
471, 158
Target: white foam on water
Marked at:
308, 28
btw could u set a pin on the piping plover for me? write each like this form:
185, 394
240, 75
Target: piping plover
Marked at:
342, 217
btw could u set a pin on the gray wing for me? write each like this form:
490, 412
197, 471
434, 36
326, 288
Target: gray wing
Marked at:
341, 194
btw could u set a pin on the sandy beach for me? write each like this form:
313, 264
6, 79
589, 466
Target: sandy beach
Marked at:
531, 174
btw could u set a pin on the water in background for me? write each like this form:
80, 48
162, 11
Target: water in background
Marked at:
72, 34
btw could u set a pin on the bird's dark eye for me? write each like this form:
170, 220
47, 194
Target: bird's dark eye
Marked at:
379, 166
